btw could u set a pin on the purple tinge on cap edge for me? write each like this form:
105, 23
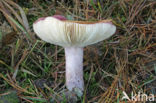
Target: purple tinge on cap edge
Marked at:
59, 17
110, 22
42, 18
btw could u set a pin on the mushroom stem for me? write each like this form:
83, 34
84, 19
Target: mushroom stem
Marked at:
74, 68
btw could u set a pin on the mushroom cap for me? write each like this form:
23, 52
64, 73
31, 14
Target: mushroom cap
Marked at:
57, 30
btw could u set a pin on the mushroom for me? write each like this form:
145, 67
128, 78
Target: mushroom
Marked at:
73, 36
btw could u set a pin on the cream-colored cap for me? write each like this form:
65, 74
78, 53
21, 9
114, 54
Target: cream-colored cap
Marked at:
68, 33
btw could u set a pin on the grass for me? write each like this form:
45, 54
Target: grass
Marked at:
36, 70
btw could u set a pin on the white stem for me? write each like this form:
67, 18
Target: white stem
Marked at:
74, 68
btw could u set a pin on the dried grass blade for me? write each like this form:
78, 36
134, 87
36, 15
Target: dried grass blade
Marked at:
20, 61
24, 18
14, 12
35, 98
28, 72
20, 27
14, 85
2, 62
7, 17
